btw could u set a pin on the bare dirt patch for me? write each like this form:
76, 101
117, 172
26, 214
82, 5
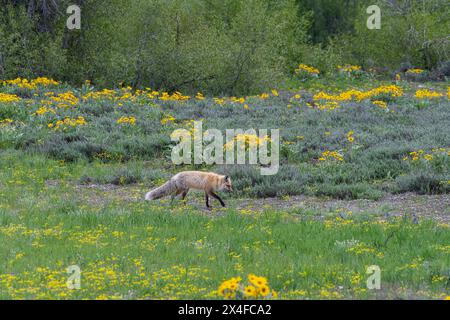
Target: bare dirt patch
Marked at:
417, 206
420, 206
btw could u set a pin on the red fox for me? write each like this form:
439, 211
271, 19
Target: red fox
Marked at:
180, 184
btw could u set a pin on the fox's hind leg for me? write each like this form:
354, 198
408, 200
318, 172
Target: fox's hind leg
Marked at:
175, 194
207, 200
183, 195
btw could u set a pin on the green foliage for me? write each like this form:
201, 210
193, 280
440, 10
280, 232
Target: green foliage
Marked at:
349, 191
27, 47
372, 164
213, 46
288, 181
412, 32
325, 58
423, 183
131, 249
246, 47
128, 174
218, 47
330, 17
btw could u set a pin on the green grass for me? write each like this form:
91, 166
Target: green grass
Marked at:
58, 208
372, 163
132, 249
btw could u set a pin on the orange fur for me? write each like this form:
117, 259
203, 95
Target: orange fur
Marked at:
179, 184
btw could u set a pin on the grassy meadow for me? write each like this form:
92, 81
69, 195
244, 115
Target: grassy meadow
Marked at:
75, 163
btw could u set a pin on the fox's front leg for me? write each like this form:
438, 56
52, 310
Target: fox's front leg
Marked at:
218, 198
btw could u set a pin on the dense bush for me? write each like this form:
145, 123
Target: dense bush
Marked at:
288, 181
218, 47
412, 32
213, 46
423, 183
331, 17
30, 40
349, 191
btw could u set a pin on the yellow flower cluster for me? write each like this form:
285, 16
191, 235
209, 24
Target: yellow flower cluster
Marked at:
68, 122
124, 94
167, 119
229, 287
437, 278
60, 100
222, 101
43, 110
26, 84
294, 99
219, 101
7, 98
338, 222
349, 68
105, 94
350, 137
176, 96
415, 264
361, 248
427, 94
45, 82
164, 96
415, 71
5, 122
443, 248
381, 104
308, 69
331, 155
127, 95
127, 120
256, 288
200, 96
343, 96
329, 105
393, 90
264, 96
356, 279
246, 141
237, 100
420, 154
64, 99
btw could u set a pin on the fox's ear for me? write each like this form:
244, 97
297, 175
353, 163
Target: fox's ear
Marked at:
227, 178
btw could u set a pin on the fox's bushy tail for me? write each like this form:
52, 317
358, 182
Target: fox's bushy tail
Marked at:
162, 191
